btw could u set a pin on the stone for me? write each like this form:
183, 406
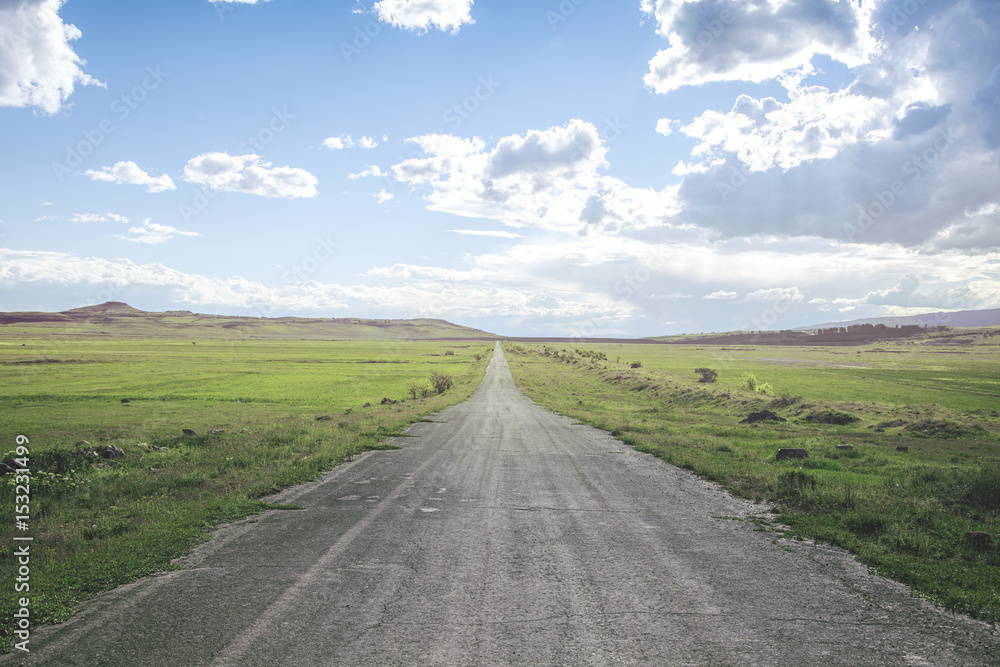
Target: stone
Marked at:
187, 431
786, 454
217, 431
109, 452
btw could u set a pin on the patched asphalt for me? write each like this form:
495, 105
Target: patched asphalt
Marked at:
502, 534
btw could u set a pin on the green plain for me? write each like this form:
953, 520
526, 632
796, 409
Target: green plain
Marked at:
910, 486
265, 413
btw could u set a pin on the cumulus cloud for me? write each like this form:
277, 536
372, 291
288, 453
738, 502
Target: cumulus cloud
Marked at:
38, 67
99, 217
743, 41
785, 295
347, 141
487, 232
373, 170
664, 126
546, 178
250, 174
129, 172
546, 156
814, 124
905, 153
151, 232
721, 294
907, 294
421, 15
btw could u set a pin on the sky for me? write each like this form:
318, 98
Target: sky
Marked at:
532, 168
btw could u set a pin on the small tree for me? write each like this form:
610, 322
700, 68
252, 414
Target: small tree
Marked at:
707, 374
417, 389
441, 381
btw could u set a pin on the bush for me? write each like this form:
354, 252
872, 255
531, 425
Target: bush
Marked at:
419, 389
749, 382
441, 381
636, 364
707, 374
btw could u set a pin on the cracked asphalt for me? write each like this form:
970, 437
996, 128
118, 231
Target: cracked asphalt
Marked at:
502, 534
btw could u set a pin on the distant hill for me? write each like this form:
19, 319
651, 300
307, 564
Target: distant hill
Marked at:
117, 318
960, 318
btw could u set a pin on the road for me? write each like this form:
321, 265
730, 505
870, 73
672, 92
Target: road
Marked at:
502, 534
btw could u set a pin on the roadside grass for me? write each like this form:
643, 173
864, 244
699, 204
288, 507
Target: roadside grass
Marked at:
282, 412
906, 513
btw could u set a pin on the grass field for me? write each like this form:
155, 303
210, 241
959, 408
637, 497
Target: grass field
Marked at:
914, 515
265, 414
270, 404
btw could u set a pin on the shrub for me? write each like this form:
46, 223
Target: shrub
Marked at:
984, 489
636, 364
449, 353
707, 374
749, 382
441, 381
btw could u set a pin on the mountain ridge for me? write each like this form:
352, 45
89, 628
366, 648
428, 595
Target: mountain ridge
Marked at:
116, 317
954, 319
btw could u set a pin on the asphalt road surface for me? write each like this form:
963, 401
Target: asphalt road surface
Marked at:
505, 535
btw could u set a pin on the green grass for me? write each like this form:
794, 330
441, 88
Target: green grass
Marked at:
905, 513
284, 411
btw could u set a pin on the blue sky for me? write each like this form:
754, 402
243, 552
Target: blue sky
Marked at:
571, 167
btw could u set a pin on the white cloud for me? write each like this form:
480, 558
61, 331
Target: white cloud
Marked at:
347, 141
814, 124
784, 295
664, 126
98, 217
487, 232
150, 232
420, 15
337, 143
721, 294
905, 152
250, 174
740, 41
129, 172
547, 156
545, 178
373, 170
38, 68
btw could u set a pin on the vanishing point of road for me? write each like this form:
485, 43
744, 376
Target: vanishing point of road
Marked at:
502, 534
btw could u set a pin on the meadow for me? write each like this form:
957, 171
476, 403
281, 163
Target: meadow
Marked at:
903, 464
260, 414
